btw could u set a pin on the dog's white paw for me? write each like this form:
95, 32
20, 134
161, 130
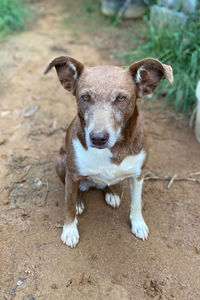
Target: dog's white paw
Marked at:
112, 200
70, 235
80, 207
139, 227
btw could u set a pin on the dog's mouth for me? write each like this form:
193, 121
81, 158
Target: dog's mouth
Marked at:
99, 147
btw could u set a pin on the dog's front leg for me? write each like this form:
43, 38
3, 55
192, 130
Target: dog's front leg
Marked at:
139, 227
70, 234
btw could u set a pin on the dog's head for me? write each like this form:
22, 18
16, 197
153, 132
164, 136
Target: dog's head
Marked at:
106, 95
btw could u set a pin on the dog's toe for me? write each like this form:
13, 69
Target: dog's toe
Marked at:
70, 234
80, 208
112, 200
139, 227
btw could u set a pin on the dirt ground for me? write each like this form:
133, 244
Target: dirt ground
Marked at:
109, 262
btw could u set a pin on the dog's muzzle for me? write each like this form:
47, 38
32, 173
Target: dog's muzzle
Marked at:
99, 139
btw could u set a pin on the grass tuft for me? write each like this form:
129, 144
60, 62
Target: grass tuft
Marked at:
179, 49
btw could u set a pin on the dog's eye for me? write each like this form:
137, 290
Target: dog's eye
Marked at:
85, 97
121, 98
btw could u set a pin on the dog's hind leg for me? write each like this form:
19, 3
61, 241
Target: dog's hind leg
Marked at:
61, 165
113, 195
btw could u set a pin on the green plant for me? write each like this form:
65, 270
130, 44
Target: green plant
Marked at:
13, 14
179, 49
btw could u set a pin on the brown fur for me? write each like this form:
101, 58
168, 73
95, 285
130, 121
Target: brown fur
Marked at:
103, 83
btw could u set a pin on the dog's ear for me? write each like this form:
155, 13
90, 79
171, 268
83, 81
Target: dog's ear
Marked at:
147, 73
68, 70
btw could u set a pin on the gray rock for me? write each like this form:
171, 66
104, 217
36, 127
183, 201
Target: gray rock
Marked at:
162, 16
53, 286
29, 112
36, 98
38, 183
40, 194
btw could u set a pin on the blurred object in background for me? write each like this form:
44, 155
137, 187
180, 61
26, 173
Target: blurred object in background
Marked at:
124, 8
197, 122
173, 36
172, 13
163, 16
188, 6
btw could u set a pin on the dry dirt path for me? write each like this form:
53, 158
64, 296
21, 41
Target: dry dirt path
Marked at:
109, 262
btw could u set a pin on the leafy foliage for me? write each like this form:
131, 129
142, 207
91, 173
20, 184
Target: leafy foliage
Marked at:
13, 14
179, 49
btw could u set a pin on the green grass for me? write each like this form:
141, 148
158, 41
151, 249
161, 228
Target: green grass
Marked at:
179, 49
13, 16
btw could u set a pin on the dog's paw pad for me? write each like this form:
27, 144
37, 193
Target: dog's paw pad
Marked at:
139, 227
70, 235
80, 208
112, 200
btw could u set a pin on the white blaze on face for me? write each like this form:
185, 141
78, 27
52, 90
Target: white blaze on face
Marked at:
101, 118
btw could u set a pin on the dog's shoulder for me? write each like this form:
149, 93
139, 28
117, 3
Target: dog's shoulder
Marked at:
135, 142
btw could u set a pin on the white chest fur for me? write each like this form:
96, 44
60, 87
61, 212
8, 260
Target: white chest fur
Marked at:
96, 164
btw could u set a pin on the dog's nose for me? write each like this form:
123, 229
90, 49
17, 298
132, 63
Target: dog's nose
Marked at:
99, 138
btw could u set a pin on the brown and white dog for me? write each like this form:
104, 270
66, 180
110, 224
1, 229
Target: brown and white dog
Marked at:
106, 141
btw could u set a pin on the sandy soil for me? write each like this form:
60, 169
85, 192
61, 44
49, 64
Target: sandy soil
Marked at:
109, 262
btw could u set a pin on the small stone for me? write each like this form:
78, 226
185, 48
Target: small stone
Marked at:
31, 111
14, 199
197, 250
31, 298
2, 141
53, 286
5, 201
26, 147
4, 113
40, 194
69, 283
38, 183
36, 98
18, 187
57, 204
